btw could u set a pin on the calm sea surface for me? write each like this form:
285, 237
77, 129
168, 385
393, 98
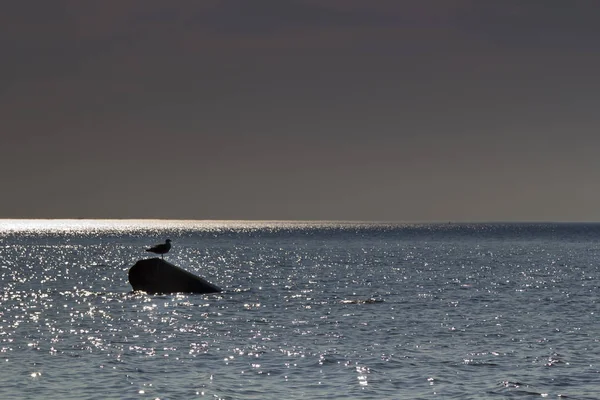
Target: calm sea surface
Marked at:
309, 310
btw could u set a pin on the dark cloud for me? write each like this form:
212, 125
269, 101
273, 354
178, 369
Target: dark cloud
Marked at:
339, 109
536, 26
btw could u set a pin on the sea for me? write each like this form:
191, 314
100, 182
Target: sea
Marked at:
320, 310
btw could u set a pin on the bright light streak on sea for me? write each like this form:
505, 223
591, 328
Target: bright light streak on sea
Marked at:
336, 310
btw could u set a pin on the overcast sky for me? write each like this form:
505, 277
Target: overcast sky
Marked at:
463, 110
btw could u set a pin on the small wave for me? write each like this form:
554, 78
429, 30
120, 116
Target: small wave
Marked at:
361, 301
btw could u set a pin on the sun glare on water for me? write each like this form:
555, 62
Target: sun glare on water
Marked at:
125, 225
76, 225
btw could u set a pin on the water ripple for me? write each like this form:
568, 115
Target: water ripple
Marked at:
324, 310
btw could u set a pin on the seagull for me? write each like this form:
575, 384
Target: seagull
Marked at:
161, 248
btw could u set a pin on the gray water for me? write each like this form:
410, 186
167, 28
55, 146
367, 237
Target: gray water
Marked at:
309, 310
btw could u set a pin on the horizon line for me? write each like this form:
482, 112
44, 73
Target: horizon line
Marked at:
358, 221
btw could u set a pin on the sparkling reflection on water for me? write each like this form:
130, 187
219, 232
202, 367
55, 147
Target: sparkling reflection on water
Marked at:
315, 309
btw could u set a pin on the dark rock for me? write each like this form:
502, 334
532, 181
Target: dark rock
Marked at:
154, 275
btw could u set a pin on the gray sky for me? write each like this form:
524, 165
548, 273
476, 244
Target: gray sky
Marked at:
463, 110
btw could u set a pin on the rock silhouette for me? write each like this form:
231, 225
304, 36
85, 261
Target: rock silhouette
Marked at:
155, 275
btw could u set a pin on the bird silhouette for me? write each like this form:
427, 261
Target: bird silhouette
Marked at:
161, 248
